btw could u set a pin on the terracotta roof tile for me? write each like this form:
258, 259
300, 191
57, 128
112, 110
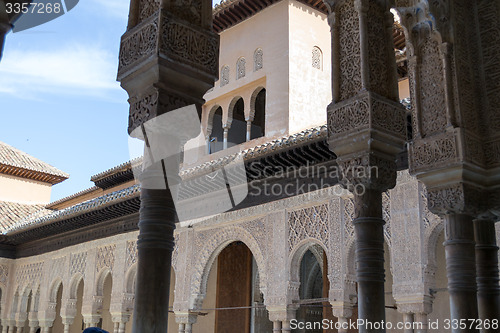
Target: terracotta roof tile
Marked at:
12, 212
13, 157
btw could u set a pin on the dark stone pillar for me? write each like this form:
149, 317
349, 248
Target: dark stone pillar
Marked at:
154, 246
368, 226
461, 269
488, 288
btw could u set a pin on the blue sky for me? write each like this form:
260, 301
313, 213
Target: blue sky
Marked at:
60, 101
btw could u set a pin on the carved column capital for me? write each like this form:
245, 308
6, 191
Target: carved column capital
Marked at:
458, 198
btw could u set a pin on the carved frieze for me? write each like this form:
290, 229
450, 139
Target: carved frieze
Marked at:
77, 263
306, 223
138, 44
105, 257
457, 198
187, 45
438, 151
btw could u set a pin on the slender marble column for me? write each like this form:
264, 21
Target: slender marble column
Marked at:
226, 131
19, 329
249, 130
285, 328
408, 319
423, 325
182, 328
461, 268
370, 259
488, 293
343, 325
277, 326
5, 329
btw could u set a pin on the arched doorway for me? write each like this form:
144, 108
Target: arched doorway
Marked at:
233, 302
57, 326
311, 288
259, 121
216, 140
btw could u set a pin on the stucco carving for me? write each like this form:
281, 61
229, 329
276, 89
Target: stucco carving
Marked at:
258, 59
131, 257
317, 58
78, 263
105, 257
224, 76
306, 223
241, 68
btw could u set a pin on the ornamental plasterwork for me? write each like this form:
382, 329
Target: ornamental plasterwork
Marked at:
241, 68
4, 274
131, 256
78, 262
258, 59
208, 245
224, 76
306, 223
105, 257
316, 58
29, 273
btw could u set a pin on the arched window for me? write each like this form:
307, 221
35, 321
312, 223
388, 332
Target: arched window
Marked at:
241, 68
259, 113
317, 58
237, 132
216, 140
258, 59
224, 76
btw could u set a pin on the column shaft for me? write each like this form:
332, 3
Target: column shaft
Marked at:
277, 326
121, 327
285, 326
155, 246
461, 268
488, 294
370, 260
422, 323
182, 328
189, 328
249, 130
343, 325
408, 319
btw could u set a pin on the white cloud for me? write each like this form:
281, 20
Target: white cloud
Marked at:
74, 69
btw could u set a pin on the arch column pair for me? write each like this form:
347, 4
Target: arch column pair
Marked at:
281, 316
186, 321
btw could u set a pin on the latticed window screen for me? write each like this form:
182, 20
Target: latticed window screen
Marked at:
224, 76
258, 58
316, 58
241, 68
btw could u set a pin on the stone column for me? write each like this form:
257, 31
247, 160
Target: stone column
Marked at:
424, 323
366, 130
249, 130
119, 321
226, 131
168, 60
369, 230
185, 321
277, 326
461, 267
33, 329
408, 319
5, 328
91, 320
19, 329
487, 270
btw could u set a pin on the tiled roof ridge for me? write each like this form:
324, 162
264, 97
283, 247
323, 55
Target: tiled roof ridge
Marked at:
286, 141
86, 206
223, 5
72, 196
31, 163
121, 167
